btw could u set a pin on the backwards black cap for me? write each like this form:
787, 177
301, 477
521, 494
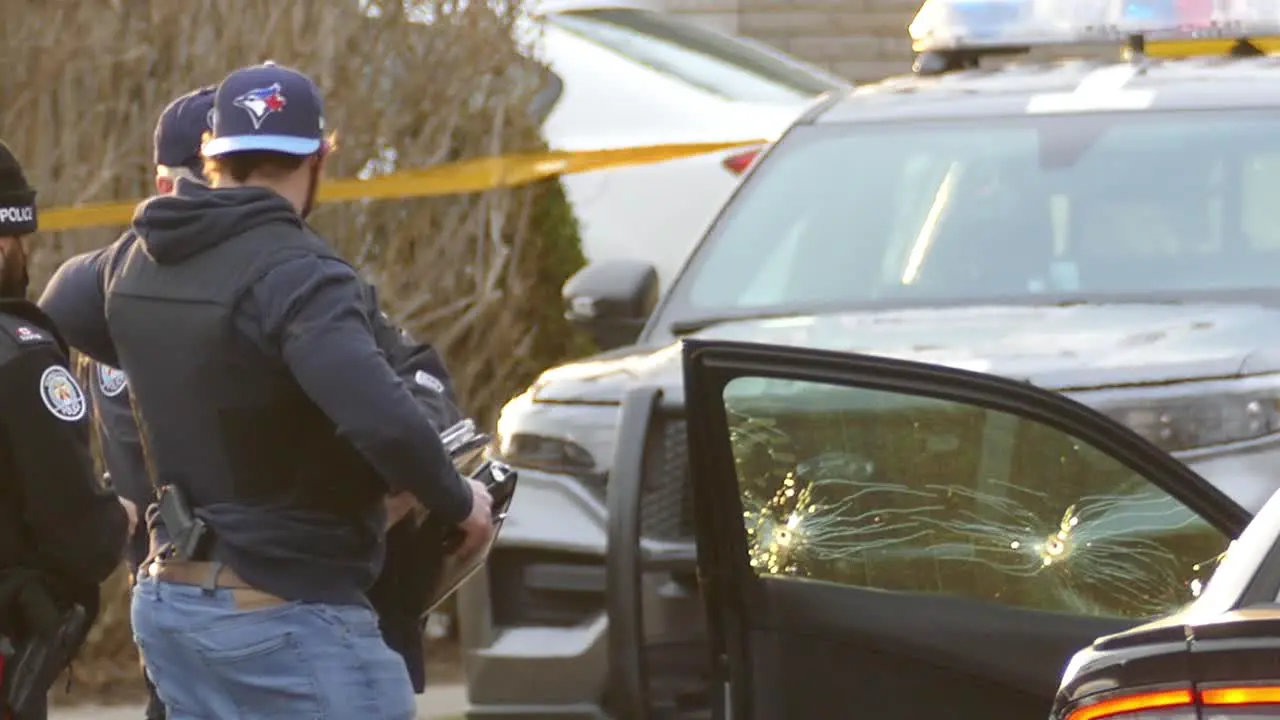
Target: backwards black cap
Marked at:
17, 198
181, 129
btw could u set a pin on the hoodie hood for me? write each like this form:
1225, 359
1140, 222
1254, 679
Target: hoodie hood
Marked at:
195, 218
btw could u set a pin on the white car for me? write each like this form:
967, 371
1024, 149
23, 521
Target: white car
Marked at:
626, 74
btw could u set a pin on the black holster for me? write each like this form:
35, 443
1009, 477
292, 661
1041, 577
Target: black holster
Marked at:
38, 643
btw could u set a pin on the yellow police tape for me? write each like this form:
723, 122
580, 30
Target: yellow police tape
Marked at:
466, 176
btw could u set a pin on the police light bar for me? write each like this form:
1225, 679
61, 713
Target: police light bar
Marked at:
960, 25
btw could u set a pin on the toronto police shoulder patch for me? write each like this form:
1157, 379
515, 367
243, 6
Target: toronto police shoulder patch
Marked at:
111, 381
61, 394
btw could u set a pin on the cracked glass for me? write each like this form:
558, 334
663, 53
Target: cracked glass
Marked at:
905, 493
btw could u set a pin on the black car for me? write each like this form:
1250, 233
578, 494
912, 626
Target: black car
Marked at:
1106, 231
1217, 659
871, 543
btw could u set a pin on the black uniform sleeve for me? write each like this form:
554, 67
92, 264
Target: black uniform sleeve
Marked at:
75, 301
418, 364
78, 527
311, 309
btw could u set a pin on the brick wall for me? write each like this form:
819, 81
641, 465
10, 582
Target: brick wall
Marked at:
859, 39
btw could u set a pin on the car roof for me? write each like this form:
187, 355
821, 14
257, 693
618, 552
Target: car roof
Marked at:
547, 7
1174, 84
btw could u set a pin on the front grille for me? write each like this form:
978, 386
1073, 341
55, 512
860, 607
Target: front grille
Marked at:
666, 499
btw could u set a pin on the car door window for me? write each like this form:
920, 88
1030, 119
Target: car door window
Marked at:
719, 64
899, 492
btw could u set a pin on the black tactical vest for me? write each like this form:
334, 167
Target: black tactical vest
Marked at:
221, 419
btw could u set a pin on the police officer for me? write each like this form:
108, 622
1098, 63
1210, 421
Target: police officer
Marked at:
74, 299
412, 563
61, 533
265, 400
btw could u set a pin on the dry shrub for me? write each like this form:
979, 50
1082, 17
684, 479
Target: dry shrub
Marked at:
478, 275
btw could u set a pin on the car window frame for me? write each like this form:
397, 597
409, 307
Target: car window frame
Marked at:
712, 363
728, 581
783, 73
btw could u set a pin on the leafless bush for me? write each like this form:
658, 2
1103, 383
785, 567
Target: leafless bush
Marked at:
85, 81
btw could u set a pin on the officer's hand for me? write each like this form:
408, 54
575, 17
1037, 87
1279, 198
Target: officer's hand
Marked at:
398, 506
132, 511
477, 528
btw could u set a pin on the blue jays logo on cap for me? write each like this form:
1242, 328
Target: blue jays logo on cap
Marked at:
250, 95
261, 102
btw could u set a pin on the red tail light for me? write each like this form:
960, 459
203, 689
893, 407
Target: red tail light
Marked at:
739, 162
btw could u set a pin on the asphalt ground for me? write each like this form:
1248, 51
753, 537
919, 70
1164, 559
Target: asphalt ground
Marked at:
437, 703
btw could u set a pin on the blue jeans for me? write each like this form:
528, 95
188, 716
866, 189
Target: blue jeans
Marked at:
212, 660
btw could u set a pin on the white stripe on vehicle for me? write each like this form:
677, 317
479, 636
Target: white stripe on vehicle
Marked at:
1100, 90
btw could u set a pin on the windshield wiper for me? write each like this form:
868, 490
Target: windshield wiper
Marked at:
684, 327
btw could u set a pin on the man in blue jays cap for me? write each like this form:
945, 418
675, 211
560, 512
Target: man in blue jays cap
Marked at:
75, 296
76, 293
271, 413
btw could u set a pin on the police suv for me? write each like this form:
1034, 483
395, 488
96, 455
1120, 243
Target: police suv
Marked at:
979, 363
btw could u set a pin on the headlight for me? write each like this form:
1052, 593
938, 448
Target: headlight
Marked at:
572, 439
1202, 414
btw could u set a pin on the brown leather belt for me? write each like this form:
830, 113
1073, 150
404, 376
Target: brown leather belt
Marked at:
191, 572
212, 575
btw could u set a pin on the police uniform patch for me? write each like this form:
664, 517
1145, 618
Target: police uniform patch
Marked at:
428, 381
61, 394
111, 381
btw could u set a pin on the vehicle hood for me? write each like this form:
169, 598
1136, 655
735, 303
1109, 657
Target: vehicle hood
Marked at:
1076, 347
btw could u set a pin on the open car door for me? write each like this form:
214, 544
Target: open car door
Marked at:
894, 540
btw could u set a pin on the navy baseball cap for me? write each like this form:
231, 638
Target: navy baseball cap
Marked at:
181, 129
267, 107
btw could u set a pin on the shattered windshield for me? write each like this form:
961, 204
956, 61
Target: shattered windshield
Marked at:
875, 213
897, 492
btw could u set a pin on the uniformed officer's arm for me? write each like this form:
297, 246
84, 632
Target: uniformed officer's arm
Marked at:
75, 300
408, 357
405, 354
418, 364
78, 527
311, 309
422, 370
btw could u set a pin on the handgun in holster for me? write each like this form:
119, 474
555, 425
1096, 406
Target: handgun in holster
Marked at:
187, 532
30, 667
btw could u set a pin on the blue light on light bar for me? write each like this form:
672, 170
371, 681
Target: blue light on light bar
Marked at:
977, 24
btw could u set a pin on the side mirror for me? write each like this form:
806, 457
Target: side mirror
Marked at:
612, 300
